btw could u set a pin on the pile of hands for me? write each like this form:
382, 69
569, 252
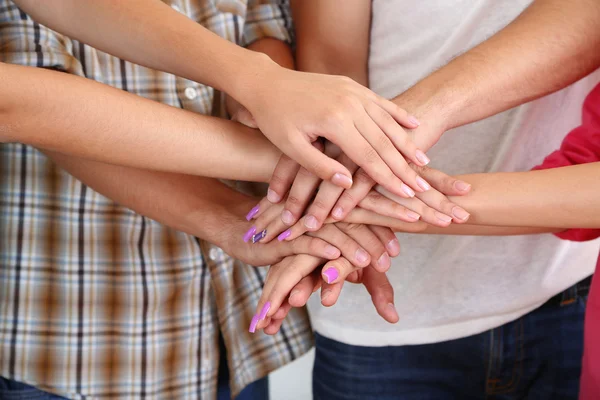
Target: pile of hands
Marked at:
331, 211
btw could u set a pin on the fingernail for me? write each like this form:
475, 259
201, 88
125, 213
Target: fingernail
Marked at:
462, 186
310, 222
253, 324
384, 260
325, 294
264, 311
393, 246
338, 212
443, 217
361, 256
287, 217
273, 197
422, 157
294, 292
413, 120
409, 192
330, 274
284, 235
460, 213
252, 212
342, 180
412, 215
423, 184
248, 235
331, 252
259, 236
393, 310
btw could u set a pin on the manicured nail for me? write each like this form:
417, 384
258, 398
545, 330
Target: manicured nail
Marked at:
253, 212
259, 236
421, 157
331, 274
287, 217
264, 311
331, 252
413, 120
361, 256
443, 217
423, 184
284, 235
253, 324
342, 180
409, 192
393, 246
273, 197
384, 260
393, 310
460, 213
462, 186
412, 215
310, 222
248, 235
337, 212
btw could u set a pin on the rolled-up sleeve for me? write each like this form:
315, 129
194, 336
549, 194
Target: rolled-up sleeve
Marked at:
267, 19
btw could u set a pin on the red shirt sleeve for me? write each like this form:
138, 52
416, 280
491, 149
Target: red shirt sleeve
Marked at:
580, 146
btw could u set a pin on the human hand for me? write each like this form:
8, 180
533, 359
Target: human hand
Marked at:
294, 108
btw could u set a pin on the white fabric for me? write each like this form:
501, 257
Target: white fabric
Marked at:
451, 287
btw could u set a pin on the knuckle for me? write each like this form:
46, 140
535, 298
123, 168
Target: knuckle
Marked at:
361, 177
370, 155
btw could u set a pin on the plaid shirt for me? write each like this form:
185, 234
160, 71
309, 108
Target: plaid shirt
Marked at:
97, 302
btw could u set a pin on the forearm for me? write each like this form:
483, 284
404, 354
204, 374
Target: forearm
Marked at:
202, 207
549, 46
152, 34
77, 116
332, 37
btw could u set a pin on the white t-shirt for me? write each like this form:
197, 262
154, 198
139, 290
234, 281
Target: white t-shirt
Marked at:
447, 287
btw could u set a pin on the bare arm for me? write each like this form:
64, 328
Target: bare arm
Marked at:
549, 46
114, 126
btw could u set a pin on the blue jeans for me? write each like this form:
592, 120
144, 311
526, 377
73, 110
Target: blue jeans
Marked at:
535, 357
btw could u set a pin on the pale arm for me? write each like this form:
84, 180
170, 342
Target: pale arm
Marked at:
77, 116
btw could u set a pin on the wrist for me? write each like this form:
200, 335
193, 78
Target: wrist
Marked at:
249, 80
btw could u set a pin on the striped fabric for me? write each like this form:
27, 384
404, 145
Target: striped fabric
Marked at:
97, 302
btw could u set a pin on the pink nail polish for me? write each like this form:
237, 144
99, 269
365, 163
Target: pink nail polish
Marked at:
284, 235
341, 180
423, 184
331, 274
287, 217
460, 213
409, 192
253, 212
264, 311
253, 324
248, 235
421, 157
273, 197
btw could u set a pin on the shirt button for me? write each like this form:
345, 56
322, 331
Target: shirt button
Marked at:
214, 254
175, 7
191, 93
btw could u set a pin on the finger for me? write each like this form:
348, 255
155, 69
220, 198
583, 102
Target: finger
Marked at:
349, 247
362, 216
398, 136
283, 176
380, 259
446, 184
243, 116
336, 271
318, 163
387, 236
258, 229
326, 198
307, 286
330, 293
313, 246
434, 200
273, 327
382, 294
256, 211
389, 154
302, 191
398, 113
380, 204
351, 197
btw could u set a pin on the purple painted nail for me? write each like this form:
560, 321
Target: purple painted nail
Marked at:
264, 311
248, 235
253, 324
259, 236
284, 235
331, 274
252, 212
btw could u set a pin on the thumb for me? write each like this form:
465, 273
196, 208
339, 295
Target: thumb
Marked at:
243, 116
382, 294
